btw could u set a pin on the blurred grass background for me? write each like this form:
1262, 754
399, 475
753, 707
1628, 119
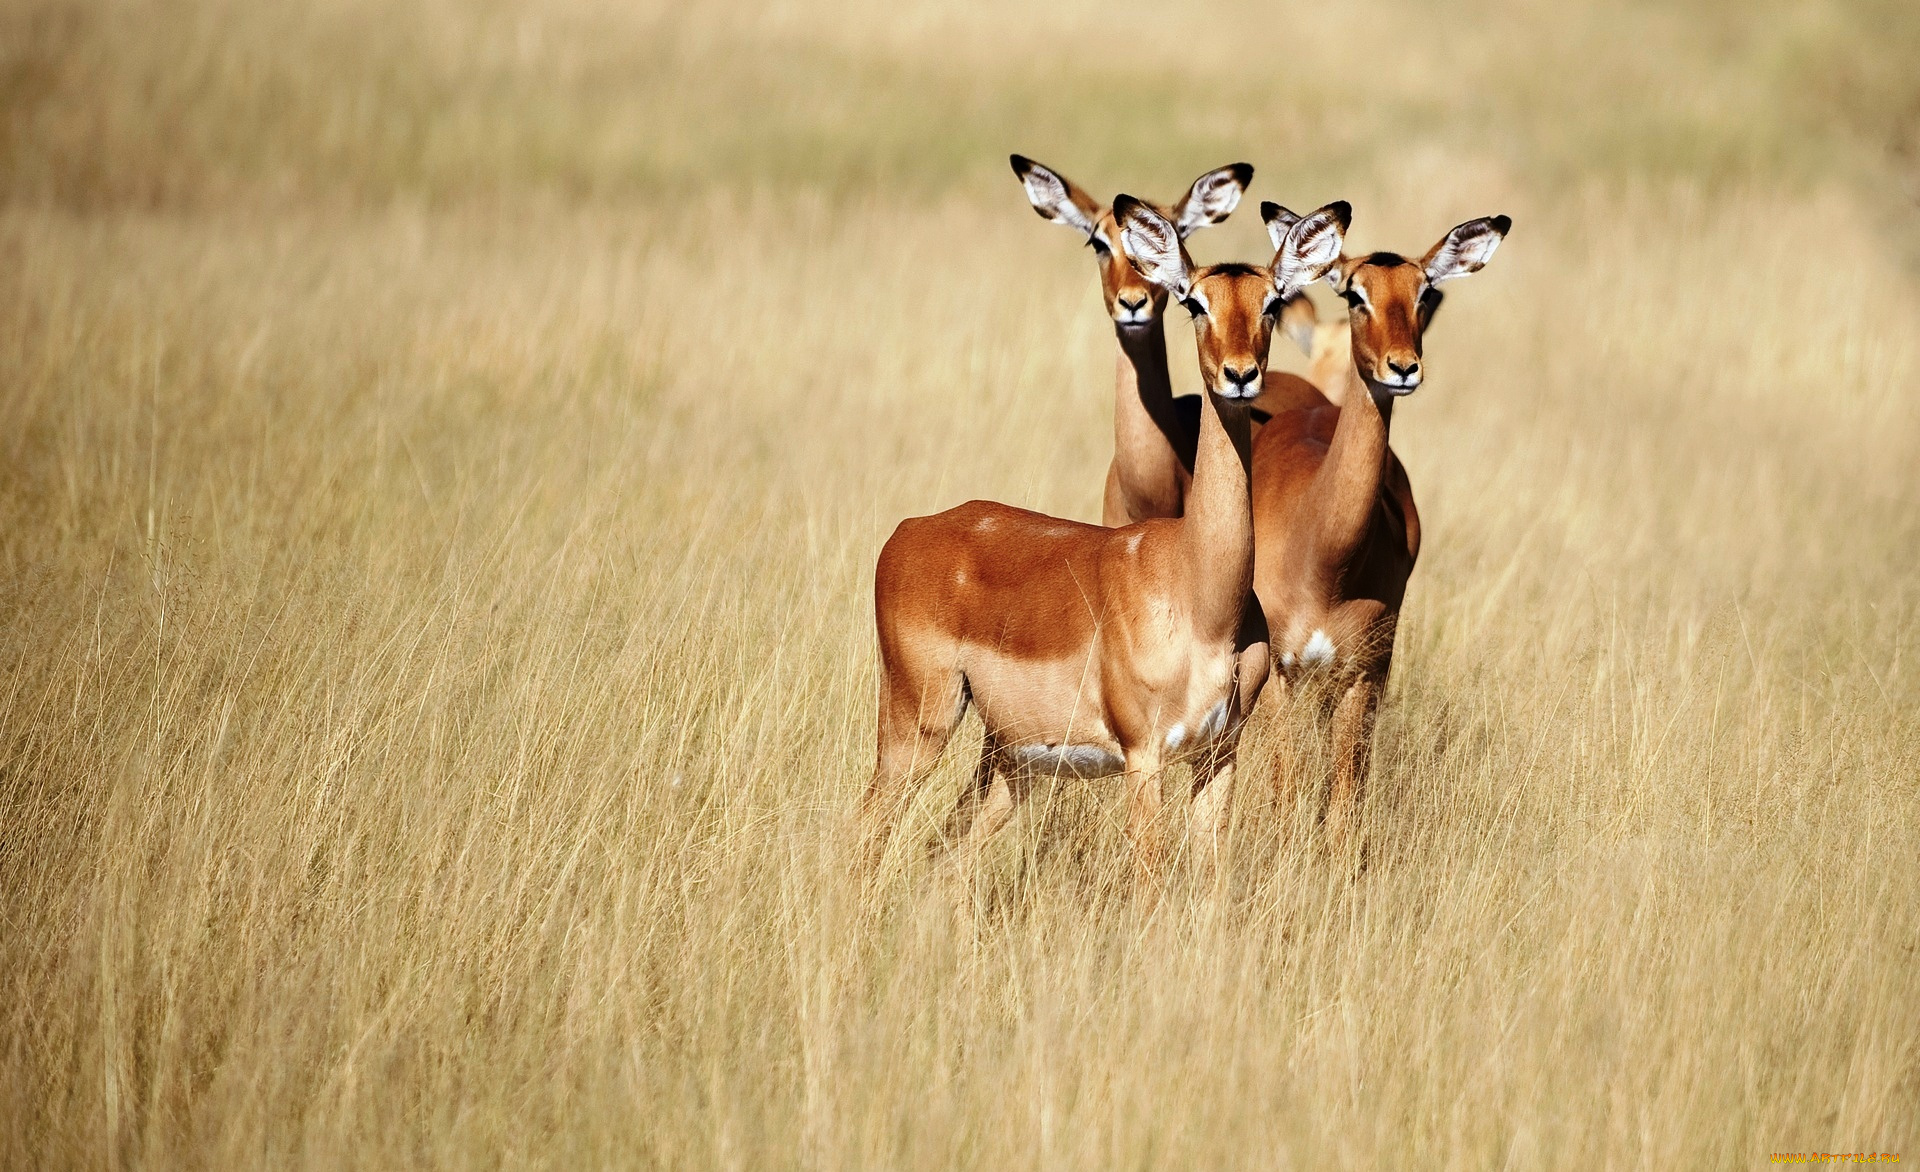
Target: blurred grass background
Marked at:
445, 447
148, 105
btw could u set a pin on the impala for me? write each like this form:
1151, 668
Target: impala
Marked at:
1334, 520
1094, 652
1154, 433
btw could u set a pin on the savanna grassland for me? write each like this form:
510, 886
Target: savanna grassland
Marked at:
443, 450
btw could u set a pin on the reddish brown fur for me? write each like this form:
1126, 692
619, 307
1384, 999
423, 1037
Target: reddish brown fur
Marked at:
1122, 649
1337, 531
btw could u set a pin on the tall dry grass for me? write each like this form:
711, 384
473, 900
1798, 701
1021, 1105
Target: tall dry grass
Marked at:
445, 447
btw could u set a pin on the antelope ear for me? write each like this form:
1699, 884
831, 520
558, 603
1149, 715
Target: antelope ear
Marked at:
1342, 272
1278, 220
1465, 249
1298, 319
1152, 243
1212, 198
1056, 197
1312, 246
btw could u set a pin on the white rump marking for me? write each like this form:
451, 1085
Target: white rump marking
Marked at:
1176, 736
1319, 649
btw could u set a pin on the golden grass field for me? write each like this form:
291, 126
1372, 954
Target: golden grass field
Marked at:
445, 448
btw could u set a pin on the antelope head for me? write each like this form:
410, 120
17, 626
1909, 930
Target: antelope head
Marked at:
1132, 301
1391, 299
1234, 306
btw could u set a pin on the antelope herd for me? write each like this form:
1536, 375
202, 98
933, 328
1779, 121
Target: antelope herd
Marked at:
1258, 535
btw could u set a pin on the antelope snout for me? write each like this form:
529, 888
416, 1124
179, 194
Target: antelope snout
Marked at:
1132, 309
1241, 383
1400, 376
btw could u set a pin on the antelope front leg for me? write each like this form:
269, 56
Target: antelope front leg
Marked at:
1213, 776
1143, 820
1352, 751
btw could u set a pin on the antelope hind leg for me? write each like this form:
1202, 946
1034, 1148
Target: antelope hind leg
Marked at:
1352, 754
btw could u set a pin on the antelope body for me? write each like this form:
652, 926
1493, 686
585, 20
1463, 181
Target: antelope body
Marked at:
1090, 651
1336, 529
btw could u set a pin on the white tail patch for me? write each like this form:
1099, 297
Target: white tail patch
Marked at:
1318, 651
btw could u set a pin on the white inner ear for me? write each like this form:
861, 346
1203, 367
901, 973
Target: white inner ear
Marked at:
1048, 193
1211, 200
1278, 226
1466, 249
1311, 247
1156, 251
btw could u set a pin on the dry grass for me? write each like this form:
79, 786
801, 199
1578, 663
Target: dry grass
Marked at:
444, 449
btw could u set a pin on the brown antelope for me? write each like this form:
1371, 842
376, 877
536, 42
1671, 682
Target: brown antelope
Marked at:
1093, 652
1334, 520
1154, 433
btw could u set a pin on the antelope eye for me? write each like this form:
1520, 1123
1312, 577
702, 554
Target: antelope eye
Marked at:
1100, 246
1272, 306
1194, 307
1354, 297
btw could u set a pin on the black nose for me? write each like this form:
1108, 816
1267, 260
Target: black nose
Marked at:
1407, 371
1134, 305
1241, 377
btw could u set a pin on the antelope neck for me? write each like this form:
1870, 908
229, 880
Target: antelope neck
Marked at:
1144, 422
1217, 528
1348, 483
1383, 403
